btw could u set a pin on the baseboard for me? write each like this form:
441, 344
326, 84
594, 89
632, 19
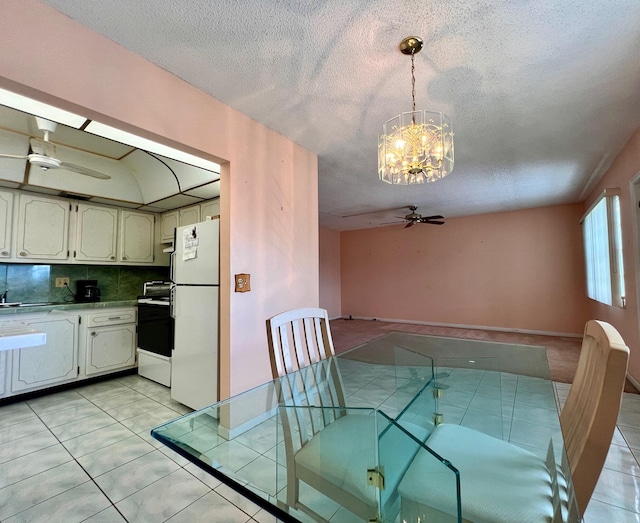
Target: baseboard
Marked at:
460, 326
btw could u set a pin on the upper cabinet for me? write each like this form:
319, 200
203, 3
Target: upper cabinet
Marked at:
43, 228
136, 237
6, 221
210, 208
168, 226
189, 215
96, 232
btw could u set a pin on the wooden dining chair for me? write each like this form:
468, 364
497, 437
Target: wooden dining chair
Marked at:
298, 338
324, 447
503, 483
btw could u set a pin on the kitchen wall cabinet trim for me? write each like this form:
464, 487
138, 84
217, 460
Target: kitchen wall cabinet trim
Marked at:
6, 217
96, 233
136, 237
210, 208
43, 228
168, 225
189, 215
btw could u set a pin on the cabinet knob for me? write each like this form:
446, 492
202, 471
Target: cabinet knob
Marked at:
93, 333
124, 257
113, 258
5, 253
22, 253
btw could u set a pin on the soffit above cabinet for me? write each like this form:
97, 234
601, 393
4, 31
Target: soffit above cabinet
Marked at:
137, 178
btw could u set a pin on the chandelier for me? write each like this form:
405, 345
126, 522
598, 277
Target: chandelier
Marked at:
415, 147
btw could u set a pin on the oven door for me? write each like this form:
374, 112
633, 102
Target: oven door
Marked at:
155, 328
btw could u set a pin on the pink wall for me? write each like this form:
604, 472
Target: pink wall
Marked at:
330, 293
513, 270
622, 171
49, 57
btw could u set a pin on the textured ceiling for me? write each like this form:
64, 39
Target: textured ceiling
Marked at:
542, 94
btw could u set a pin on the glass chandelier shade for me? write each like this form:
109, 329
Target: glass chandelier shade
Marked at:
417, 146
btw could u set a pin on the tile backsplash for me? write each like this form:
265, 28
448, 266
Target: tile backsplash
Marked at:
36, 283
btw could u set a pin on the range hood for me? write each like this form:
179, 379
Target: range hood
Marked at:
137, 178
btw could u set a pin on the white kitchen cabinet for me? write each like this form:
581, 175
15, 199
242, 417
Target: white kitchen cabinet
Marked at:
43, 228
210, 208
168, 225
6, 221
49, 364
189, 215
136, 237
3, 372
96, 233
108, 340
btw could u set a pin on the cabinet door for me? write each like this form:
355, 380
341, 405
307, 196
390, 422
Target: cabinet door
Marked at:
96, 232
189, 215
210, 208
43, 228
110, 348
168, 226
6, 215
136, 237
3, 372
54, 362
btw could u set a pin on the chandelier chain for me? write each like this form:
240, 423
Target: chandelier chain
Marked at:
413, 82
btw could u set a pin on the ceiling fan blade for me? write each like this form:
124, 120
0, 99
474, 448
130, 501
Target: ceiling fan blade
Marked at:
432, 222
84, 170
42, 147
15, 156
435, 217
409, 224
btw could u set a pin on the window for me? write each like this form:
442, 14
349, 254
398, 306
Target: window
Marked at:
603, 249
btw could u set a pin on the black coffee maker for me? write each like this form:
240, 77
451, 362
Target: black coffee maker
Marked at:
87, 291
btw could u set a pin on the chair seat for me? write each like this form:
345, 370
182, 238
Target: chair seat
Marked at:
490, 469
337, 459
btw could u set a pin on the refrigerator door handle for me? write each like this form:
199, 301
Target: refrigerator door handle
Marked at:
172, 301
172, 264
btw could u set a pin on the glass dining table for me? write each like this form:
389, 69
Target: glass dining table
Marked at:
334, 441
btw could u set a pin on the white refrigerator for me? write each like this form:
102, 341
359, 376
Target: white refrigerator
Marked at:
195, 294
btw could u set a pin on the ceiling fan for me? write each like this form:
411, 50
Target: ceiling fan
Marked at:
43, 153
413, 217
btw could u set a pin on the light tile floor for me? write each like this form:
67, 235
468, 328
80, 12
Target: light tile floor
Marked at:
86, 455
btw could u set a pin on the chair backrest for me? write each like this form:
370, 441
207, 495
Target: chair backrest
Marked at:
298, 338
588, 418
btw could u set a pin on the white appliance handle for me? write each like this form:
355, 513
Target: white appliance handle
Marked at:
172, 302
172, 261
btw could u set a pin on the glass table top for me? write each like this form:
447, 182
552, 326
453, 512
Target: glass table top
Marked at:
336, 441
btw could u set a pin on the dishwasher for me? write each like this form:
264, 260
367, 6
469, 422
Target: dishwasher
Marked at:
109, 339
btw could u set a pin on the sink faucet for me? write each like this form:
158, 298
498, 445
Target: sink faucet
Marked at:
3, 296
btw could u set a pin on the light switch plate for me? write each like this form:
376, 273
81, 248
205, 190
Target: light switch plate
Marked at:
243, 282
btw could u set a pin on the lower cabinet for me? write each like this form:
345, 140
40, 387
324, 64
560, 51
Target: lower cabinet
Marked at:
108, 340
49, 364
3, 372
79, 345
110, 348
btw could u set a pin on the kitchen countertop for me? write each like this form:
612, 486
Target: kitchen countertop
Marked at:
64, 306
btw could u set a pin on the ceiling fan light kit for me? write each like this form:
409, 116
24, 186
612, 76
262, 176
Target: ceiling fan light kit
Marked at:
417, 146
